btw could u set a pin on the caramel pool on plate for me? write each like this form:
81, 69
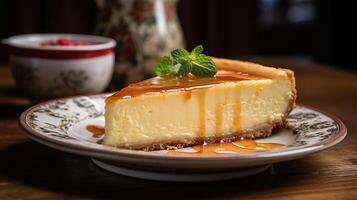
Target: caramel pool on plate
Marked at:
239, 146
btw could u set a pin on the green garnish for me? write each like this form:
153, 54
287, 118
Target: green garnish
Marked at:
182, 62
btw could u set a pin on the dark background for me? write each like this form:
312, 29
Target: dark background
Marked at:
319, 30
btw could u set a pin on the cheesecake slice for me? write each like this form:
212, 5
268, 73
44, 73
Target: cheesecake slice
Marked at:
243, 100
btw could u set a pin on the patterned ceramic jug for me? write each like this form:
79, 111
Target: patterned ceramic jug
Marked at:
144, 30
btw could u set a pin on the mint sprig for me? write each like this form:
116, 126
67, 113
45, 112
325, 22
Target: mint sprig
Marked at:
182, 62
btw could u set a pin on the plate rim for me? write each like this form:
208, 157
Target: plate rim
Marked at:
133, 154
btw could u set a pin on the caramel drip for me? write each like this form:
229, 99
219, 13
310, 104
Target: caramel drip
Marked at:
237, 113
187, 95
219, 113
240, 146
201, 113
158, 85
96, 131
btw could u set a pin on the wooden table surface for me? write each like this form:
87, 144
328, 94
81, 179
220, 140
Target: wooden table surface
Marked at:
29, 170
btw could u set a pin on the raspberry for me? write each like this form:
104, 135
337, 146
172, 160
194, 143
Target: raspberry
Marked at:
64, 41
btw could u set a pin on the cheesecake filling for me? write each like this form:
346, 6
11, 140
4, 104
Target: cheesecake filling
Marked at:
193, 109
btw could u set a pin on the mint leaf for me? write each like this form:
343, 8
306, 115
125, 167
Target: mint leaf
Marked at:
181, 63
203, 66
196, 51
163, 67
185, 69
180, 55
174, 69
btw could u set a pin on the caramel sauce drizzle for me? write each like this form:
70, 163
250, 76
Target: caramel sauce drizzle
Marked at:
158, 84
240, 146
96, 131
201, 113
188, 95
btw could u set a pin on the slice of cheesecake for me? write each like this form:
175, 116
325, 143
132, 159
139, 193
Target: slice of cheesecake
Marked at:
243, 100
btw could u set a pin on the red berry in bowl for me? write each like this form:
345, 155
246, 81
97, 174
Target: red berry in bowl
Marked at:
64, 41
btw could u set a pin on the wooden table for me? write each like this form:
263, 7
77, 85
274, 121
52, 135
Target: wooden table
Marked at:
29, 170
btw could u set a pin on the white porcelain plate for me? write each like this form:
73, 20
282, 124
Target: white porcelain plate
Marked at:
61, 124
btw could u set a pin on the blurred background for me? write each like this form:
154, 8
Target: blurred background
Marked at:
302, 31
320, 30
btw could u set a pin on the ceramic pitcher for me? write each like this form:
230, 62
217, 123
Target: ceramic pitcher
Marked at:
144, 30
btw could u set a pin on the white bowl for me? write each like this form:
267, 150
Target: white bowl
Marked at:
44, 72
